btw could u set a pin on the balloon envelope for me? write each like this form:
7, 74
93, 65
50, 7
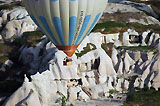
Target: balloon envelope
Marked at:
66, 22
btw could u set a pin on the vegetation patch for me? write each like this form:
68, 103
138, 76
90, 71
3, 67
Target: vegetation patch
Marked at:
117, 26
86, 49
4, 48
143, 97
138, 48
19, 41
63, 101
140, 28
110, 26
3, 59
32, 38
33, 33
10, 6
113, 91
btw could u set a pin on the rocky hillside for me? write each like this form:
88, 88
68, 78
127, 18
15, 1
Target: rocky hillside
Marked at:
92, 75
121, 56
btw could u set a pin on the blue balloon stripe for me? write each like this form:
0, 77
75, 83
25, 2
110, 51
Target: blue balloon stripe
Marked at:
84, 26
45, 24
72, 27
36, 22
58, 26
93, 24
54, 0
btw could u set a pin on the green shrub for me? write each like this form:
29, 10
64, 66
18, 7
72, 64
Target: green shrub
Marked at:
19, 41
33, 37
115, 26
63, 101
137, 48
86, 49
3, 59
143, 97
33, 33
71, 104
113, 91
140, 27
108, 25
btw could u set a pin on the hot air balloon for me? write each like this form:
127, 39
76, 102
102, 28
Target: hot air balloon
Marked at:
65, 22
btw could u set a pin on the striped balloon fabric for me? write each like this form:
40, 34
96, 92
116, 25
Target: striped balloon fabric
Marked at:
66, 22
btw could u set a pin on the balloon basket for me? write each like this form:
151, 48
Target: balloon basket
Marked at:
67, 61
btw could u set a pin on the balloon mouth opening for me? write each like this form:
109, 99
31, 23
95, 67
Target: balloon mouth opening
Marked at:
68, 50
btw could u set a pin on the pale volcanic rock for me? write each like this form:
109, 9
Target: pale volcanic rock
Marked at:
16, 22
106, 66
114, 56
128, 61
24, 95
17, 13
1, 22
126, 39
156, 69
90, 76
17, 27
115, 7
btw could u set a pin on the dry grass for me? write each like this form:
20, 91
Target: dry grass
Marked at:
33, 37
4, 48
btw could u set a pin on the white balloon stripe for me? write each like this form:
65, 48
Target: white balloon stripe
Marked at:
34, 6
91, 27
97, 9
64, 16
73, 11
42, 20
88, 17
46, 13
55, 14
82, 5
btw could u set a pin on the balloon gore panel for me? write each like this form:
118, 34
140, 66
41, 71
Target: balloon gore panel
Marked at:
66, 22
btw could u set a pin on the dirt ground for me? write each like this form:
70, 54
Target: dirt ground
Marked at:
99, 103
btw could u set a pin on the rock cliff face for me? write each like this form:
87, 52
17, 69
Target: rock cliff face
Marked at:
130, 12
15, 22
90, 76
